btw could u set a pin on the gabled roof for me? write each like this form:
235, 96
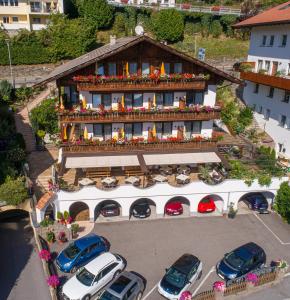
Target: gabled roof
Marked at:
44, 200
120, 45
277, 15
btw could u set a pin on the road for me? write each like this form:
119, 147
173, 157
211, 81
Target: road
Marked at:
21, 275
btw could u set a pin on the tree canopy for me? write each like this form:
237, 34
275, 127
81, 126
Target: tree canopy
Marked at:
282, 201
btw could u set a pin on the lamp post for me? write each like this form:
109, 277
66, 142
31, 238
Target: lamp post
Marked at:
10, 62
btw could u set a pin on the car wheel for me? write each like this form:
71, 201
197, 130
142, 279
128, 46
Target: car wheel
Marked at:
199, 275
116, 274
73, 269
139, 296
87, 297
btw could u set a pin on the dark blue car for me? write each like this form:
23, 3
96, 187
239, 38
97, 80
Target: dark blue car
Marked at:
257, 201
80, 252
241, 261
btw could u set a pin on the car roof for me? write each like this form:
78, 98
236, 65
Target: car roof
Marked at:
185, 263
251, 248
100, 262
256, 195
87, 240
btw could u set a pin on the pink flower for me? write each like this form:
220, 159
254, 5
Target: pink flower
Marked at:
219, 286
252, 277
186, 295
45, 255
53, 281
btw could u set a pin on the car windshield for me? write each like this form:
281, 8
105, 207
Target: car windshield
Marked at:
235, 260
206, 200
85, 277
108, 296
72, 251
175, 277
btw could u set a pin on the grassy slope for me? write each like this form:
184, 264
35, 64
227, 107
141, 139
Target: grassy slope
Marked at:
216, 48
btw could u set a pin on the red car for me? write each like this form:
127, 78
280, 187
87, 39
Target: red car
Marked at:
174, 208
206, 205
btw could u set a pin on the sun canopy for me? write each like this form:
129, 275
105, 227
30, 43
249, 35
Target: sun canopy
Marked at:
181, 158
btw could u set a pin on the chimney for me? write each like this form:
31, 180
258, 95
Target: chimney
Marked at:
112, 40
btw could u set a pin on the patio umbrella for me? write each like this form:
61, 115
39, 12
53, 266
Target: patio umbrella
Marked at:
86, 134
84, 102
52, 6
154, 100
127, 69
123, 101
123, 132
64, 133
61, 103
162, 69
154, 131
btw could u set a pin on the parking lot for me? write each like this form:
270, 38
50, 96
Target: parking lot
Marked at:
151, 246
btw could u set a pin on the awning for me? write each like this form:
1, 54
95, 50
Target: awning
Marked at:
181, 158
102, 161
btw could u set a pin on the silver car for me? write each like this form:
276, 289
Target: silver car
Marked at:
126, 286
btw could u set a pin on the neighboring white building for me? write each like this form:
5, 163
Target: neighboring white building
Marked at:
170, 3
267, 87
25, 14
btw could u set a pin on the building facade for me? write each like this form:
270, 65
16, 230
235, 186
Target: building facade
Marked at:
267, 74
169, 3
30, 15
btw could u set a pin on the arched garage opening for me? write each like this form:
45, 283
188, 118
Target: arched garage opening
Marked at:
11, 215
245, 203
50, 212
138, 209
211, 204
79, 211
107, 208
177, 199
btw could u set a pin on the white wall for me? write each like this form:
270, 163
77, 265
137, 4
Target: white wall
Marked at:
126, 195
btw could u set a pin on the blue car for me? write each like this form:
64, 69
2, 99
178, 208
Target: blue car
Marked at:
257, 202
81, 252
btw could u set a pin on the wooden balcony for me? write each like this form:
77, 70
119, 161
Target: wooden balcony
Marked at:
155, 116
196, 84
141, 146
269, 80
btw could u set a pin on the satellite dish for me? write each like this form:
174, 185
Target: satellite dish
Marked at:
139, 30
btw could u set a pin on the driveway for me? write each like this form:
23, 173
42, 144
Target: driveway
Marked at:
151, 246
21, 273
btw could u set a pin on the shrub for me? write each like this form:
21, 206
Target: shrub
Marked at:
66, 215
216, 28
119, 27
282, 201
50, 237
13, 191
53, 281
75, 228
5, 91
168, 25
45, 255
59, 215
46, 222
16, 155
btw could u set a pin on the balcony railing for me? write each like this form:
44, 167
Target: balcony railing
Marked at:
144, 82
137, 146
265, 79
204, 113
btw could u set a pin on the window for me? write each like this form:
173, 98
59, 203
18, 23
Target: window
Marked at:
159, 99
260, 65
267, 65
112, 69
100, 69
97, 100
107, 131
283, 121
14, 2
1, 3
254, 107
15, 19
133, 67
271, 92
199, 98
261, 110
138, 129
272, 38
145, 68
177, 68
5, 20
167, 68
286, 97
98, 130
267, 114
106, 100
168, 99
264, 40
107, 270
288, 70
36, 20
167, 128
192, 127
196, 127
128, 128
128, 100
35, 6
280, 147
256, 88
138, 100
284, 40
6, 2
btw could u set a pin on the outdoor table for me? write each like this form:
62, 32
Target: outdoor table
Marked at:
183, 170
182, 178
86, 181
160, 178
132, 179
166, 170
108, 180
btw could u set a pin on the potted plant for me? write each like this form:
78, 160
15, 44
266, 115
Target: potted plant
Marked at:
219, 286
50, 237
53, 281
45, 255
62, 237
232, 212
252, 279
74, 229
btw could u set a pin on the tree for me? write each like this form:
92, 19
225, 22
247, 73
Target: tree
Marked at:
205, 25
216, 28
132, 18
5, 91
96, 12
168, 25
282, 201
227, 21
13, 191
119, 27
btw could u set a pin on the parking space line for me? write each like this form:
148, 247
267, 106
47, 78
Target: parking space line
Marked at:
203, 281
274, 234
150, 292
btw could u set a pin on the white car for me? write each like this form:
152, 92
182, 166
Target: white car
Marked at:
93, 277
180, 276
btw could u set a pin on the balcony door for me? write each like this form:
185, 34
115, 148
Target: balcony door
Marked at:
128, 127
107, 132
274, 68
